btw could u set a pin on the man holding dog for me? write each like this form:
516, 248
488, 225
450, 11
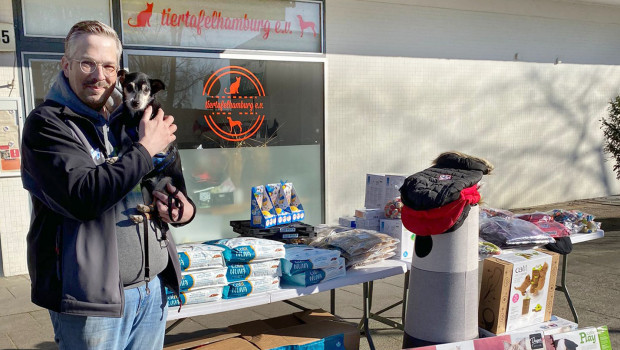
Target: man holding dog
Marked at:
85, 258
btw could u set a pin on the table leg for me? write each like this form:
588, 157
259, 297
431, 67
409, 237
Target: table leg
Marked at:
332, 301
366, 292
562, 288
405, 296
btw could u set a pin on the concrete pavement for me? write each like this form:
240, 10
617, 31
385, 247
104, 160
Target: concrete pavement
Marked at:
593, 280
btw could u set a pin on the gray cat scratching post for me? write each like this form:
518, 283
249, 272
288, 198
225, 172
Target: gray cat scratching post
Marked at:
441, 208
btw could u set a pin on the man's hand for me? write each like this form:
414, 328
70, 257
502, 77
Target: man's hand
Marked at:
161, 205
157, 133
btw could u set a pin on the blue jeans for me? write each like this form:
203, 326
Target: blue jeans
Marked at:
142, 326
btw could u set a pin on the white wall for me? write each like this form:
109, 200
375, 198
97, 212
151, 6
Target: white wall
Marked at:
407, 81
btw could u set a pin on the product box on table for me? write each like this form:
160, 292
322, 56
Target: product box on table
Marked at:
517, 290
290, 202
375, 191
589, 338
367, 224
515, 341
394, 228
276, 195
553, 326
317, 327
263, 214
347, 221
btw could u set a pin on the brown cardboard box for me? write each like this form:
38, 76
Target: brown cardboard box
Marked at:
217, 341
295, 329
497, 288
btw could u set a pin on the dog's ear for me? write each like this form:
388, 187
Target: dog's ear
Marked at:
120, 76
156, 86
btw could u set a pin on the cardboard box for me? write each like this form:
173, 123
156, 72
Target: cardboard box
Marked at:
375, 191
553, 326
395, 228
517, 290
370, 213
276, 195
367, 224
216, 341
347, 221
300, 328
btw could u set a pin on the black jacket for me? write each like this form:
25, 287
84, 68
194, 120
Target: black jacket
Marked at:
72, 248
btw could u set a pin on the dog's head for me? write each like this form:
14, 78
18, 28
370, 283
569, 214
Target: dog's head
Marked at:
139, 90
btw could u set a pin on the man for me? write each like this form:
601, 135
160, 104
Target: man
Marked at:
86, 259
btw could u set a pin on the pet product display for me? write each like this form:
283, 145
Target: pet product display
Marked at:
247, 249
277, 196
194, 256
589, 338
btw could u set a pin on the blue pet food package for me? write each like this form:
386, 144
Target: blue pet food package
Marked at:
300, 258
244, 271
283, 212
252, 286
291, 202
196, 279
249, 249
193, 256
262, 212
315, 276
202, 295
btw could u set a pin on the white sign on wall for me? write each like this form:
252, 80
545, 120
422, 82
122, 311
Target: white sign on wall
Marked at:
7, 37
249, 24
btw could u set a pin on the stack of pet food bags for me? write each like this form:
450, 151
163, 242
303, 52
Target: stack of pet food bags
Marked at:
304, 266
359, 247
253, 265
203, 274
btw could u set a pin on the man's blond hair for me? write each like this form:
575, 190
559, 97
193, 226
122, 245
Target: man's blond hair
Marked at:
90, 27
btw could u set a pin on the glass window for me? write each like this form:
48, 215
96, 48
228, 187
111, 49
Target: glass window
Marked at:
41, 18
241, 123
249, 24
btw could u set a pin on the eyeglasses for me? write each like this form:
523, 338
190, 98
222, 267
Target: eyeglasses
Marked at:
88, 66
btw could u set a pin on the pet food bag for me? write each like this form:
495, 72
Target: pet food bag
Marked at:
262, 214
202, 295
300, 258
252, 286
194, 256
203, 278
249, 249
240, 272
315, 276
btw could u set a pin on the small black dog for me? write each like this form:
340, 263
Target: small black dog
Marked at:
138, 93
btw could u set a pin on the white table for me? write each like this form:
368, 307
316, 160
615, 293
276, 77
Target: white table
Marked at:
364, 275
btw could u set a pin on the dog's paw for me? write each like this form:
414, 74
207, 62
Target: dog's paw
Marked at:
137, 219
143, 208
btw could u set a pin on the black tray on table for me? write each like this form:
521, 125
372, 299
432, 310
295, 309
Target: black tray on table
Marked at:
282, 232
